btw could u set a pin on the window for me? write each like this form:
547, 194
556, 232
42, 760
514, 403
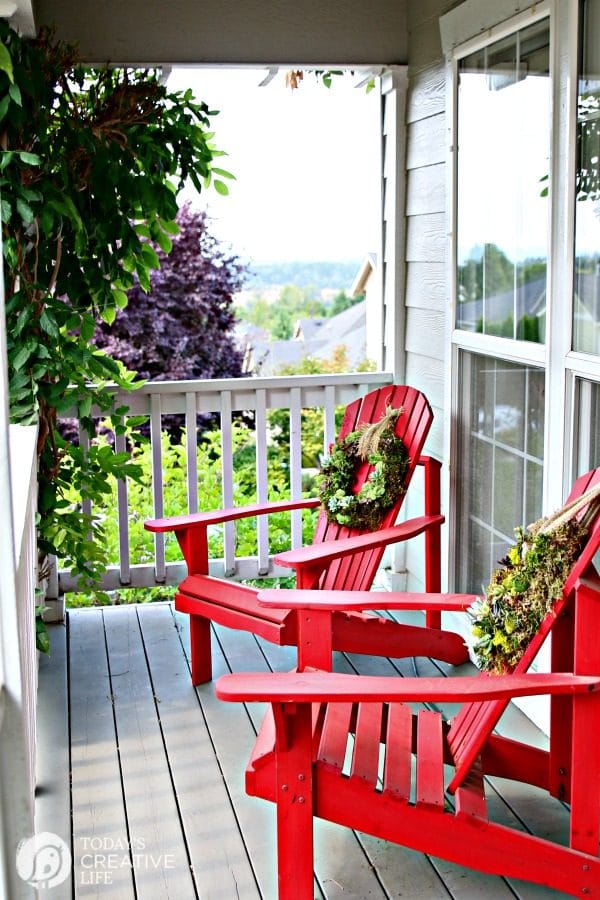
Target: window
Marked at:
500, 454
503, 138
504, 117
586, 305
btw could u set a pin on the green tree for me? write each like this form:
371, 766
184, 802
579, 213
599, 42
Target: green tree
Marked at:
343, 301
89, 169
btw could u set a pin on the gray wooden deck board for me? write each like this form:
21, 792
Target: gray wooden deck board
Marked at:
218, 855
160, 764
53, 794
99, 815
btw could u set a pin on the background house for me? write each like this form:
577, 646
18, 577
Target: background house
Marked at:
317, 338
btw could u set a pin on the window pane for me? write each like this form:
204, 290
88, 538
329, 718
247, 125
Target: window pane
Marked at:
504, 121
586, 306
587, 437
501, 467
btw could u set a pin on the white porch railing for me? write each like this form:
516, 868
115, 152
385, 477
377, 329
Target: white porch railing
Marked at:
226, 397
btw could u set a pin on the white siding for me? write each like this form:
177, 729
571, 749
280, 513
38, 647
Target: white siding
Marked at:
426, 228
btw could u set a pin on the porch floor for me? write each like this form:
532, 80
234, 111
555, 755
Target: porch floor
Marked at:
149, 785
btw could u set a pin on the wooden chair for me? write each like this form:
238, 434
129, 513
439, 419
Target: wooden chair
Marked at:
338, 558
318, 719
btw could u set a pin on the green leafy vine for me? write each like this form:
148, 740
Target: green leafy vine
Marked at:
90, 165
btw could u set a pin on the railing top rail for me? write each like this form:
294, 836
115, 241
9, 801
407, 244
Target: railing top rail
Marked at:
243, 391
215, 386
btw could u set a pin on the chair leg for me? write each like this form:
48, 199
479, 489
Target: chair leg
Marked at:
200, 650
294, 803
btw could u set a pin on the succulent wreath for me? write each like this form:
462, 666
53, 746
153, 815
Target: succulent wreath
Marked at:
378, 445
530, 581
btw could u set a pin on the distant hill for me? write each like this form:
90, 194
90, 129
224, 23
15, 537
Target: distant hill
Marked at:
337, 275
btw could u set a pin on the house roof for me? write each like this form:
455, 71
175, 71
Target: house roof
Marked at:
529, 299
347, 328
361, 279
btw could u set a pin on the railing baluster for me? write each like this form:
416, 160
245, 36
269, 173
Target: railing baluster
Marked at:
262, 486
191, 398
84, 443
123, 518
157, 484
191, 432
296, 462
329, 418
227, 481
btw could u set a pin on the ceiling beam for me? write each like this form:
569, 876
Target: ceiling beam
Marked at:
231, 32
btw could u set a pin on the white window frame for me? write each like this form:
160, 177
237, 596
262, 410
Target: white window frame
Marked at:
561, 365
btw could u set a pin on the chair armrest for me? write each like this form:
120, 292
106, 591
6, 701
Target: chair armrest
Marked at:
327, 687
320, 554
347, 601
215, 517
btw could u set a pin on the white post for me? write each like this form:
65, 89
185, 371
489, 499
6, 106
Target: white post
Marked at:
16, 785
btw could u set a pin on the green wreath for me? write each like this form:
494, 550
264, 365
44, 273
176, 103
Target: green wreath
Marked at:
520, 593
385, 452
530, 581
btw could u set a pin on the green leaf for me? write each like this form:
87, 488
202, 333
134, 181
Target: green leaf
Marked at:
221, 188
150, 256
15, 93
109, 315
48, 324
120, 298
6, 158
164, 242
223, 172
5, 210
88, 327
4, 104
32, 159
6, 64
170, 226
20, 358
25, 211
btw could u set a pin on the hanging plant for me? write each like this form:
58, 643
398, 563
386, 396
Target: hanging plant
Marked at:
531, 580
378, 446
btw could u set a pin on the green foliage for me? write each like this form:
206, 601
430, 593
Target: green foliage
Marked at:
343, 301
42, 638
279, 318
89, 171
528, 328
174, 462
522, 592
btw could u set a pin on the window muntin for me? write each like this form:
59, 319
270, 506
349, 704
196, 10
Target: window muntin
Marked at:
504, 117
586, 303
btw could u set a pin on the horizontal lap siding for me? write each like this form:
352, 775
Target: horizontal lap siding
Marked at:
426, 294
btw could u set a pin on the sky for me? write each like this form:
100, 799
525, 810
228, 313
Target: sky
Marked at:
306, 164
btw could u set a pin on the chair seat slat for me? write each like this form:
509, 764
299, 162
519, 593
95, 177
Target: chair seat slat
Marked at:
398, 747
430, 760
365, 758
334, 737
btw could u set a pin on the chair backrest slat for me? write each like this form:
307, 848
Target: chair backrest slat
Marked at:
357, 572
476, 721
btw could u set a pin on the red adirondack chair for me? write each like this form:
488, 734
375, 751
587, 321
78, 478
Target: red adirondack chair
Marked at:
337, 558
303, 744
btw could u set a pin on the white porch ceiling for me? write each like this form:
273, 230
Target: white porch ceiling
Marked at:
234, 32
